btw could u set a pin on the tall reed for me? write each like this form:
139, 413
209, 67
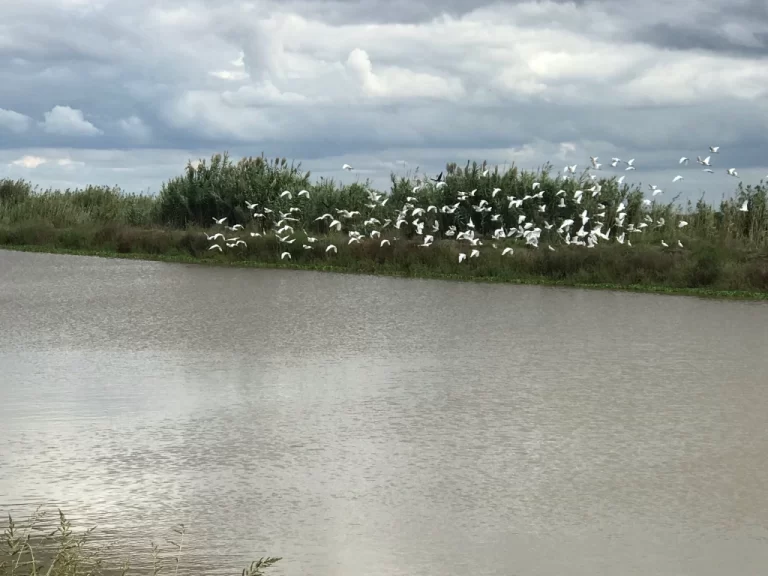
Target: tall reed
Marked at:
31, 548
221, 188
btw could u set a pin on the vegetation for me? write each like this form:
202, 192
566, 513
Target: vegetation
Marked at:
33, 549
724, 249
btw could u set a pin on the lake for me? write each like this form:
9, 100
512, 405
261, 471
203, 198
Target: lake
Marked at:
360, 426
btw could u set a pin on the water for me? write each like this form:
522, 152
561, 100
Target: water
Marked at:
373, 426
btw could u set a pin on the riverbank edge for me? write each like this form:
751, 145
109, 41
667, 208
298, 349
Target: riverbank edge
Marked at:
532, 281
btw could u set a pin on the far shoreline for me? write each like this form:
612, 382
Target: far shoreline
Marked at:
706, 293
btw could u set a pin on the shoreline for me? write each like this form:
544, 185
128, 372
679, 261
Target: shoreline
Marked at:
423, 275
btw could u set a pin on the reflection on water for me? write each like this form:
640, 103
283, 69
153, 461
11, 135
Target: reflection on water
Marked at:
359, 425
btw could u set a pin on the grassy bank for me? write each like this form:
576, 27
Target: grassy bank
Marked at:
700, 272
724, 249
38, 546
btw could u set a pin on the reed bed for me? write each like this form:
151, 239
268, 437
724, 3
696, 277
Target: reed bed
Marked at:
724, 247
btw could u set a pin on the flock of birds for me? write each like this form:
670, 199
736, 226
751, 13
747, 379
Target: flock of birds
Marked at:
573, 230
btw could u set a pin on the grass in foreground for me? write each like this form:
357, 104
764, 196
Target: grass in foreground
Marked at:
33, 549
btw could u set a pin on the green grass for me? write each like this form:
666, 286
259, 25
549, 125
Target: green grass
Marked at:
406, 268
33, 548
725, 250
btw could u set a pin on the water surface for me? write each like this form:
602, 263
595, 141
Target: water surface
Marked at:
376, 426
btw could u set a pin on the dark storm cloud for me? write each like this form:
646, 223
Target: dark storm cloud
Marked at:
679, 38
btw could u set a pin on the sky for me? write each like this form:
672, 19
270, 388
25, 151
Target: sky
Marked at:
125, 93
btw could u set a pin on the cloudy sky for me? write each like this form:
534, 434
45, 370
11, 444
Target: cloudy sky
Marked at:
117, 92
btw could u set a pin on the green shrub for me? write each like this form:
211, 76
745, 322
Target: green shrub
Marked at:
706, 269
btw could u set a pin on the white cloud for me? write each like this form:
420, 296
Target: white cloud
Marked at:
29, 161
13, 121
135, 128
67, 121
398, 82
264, 94
234, 75
69, 163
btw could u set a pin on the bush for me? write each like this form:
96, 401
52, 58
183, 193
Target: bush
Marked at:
706, 269
14, 191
